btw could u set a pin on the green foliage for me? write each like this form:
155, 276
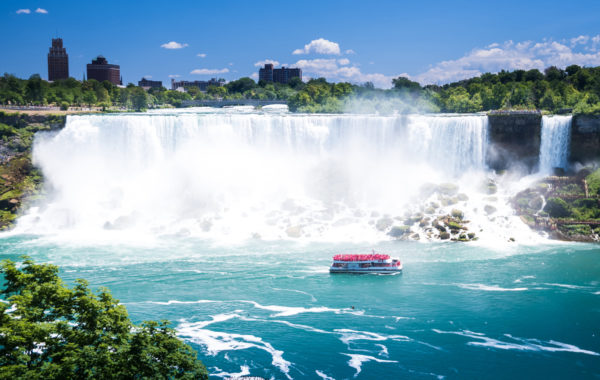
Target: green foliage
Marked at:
558, 208
139, 99
575, 87
593, 182
50, 331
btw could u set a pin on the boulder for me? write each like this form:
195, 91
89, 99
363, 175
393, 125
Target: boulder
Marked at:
449, 189
399, 231
489, 209
294, 231
456, 213
384, 223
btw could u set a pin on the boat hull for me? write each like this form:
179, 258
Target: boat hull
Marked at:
366, 270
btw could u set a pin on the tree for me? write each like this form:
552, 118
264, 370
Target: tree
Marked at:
405, 83
139, 99
89, 97
241, 85
50, 331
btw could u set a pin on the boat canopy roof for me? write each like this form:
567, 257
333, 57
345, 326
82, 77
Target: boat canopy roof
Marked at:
355, 257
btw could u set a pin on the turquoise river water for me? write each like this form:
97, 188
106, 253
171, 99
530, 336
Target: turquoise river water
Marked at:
273, 310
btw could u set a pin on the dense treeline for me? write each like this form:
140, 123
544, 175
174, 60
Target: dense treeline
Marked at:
575, 89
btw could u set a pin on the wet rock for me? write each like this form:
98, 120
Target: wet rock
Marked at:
456, 213
424, 222
444, 236
489, 209
294, 231
415, 237
429, 210
491, 187
462, 197
448, 189
471, 235
399, 231
384, 223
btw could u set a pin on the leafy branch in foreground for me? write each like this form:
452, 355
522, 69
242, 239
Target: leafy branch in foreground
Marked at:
50, 331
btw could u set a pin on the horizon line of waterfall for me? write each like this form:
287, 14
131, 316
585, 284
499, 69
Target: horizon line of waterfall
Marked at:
554, 145
454, 143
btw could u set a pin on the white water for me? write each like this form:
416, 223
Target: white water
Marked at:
554, 148
239, 174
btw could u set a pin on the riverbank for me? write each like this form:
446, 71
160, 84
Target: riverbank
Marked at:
20, 181
566, 207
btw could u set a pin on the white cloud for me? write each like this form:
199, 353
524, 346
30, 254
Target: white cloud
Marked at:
41, 10
23, 11
344, 61
350, 51
201, 55
331, 69
254, 76
174, 76
515, 56
173, 45
579, 40
148, 76
319, 46
209, 71
230, 63
265, 61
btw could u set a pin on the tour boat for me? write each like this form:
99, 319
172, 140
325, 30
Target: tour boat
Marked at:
370, 263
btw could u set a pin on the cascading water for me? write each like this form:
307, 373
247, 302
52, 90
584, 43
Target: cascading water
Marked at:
232, 175
554, 148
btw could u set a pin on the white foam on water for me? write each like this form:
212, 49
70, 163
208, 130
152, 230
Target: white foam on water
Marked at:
489, 288
520, 279
348, 336
323, 376
357, 360
384, 350
568, 286
312, 298
287, 311
215, 342
244, 371
520, 344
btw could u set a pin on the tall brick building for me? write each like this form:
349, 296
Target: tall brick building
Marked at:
101, 70
58, 61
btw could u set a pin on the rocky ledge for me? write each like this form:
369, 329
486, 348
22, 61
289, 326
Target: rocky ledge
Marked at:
566, 207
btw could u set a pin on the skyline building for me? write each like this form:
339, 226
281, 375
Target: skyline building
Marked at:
58, 61
146, 84
282, 75
101, 70
201, 84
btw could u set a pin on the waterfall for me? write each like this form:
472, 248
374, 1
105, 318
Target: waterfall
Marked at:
244, 173
554, 148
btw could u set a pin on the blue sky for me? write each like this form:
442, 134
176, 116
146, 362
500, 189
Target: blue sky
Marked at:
357, 41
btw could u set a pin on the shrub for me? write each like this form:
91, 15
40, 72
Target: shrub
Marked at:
49, 331
557, 208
